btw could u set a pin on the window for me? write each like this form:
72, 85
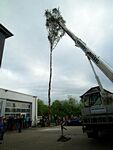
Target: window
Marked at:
86, 101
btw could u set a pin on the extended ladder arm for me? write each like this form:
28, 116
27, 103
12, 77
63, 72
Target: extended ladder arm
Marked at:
79, 43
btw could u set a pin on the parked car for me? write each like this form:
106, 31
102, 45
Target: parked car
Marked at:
73, 122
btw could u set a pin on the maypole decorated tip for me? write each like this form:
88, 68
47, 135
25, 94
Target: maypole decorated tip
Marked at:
53, 21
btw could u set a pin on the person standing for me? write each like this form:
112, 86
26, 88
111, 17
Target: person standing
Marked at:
19, 124
2, 130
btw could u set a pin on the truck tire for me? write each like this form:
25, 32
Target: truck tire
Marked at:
90, 134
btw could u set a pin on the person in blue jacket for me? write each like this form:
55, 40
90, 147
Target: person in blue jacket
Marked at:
2, 130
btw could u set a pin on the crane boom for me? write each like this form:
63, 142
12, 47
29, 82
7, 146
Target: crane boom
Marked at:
79, 43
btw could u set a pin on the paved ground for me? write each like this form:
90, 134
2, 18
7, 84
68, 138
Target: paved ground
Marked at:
46, 139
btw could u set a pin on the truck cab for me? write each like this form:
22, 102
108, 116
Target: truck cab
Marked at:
97, 114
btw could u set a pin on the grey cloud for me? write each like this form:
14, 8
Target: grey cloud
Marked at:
26, 55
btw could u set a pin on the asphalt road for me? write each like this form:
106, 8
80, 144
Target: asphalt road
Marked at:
46, 139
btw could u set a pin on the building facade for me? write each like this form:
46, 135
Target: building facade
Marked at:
14, 103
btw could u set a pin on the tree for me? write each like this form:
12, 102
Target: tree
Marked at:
55, 33
42, 108
56, 108
74, 106
68, 107
62, 108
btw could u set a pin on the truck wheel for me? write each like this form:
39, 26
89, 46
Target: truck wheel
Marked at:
90, 134
100, 133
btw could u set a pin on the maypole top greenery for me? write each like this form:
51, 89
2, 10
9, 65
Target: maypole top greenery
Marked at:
55, 31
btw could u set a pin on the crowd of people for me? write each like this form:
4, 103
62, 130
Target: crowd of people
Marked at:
20, 122
44, 121
57, 120
13, 123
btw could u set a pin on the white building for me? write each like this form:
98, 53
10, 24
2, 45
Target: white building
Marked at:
14, 103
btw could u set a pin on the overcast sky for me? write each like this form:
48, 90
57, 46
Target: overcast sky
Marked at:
25, 64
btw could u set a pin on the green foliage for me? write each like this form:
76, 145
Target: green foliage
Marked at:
56, 108
66, 107
42, 108
55, 31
